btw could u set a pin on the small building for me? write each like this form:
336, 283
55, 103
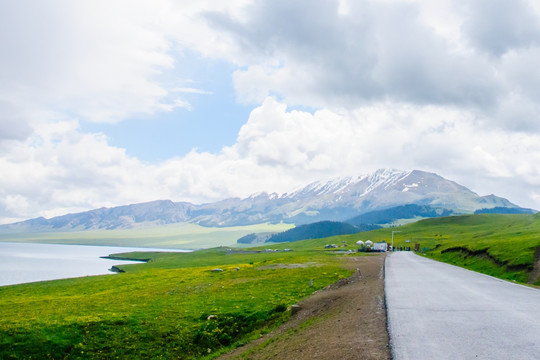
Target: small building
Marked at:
380, 246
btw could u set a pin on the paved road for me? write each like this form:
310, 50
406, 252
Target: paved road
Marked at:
439, 311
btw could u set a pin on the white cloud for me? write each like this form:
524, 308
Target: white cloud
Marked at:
191, 91
12, 123
100, 61
406, 84
478, 56
497, 26
376, 50
277, 150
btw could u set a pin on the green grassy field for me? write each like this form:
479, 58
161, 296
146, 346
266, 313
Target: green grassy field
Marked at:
173, 236
174, 306
504, 246
499, 245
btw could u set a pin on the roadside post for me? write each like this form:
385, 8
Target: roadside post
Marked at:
394, 231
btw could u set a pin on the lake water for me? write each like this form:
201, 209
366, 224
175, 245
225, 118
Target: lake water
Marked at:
28, 262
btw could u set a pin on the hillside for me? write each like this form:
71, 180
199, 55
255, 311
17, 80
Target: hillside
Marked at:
255, 238
409, 211
505, 210
318, 230
333, 200
501, 245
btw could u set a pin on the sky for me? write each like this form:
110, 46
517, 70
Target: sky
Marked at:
106, 103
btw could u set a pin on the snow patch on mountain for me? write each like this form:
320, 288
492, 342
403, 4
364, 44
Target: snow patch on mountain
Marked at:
408, 187
384, 178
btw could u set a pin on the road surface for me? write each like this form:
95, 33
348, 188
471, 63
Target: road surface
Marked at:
439, 311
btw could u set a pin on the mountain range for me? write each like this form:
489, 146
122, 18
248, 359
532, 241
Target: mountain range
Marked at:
338, 199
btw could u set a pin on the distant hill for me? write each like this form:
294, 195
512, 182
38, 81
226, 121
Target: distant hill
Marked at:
338, 199
318, 230
505, 210
255, 238
409, 211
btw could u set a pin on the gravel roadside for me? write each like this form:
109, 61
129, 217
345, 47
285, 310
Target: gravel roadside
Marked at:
346, 320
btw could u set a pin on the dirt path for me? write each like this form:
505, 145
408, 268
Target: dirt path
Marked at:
534, 275
346, 320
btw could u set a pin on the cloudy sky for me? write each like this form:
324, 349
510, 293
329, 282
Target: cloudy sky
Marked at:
106, 103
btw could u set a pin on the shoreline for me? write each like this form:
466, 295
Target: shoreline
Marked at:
23, 262
112, 257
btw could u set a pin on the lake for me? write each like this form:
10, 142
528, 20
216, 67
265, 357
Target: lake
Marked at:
29, 262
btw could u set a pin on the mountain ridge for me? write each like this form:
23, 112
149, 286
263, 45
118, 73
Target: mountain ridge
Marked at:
337, 199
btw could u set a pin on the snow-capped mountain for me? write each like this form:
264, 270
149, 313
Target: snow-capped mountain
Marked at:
337, 199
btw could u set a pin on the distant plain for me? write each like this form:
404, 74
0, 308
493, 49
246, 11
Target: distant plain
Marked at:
185, 236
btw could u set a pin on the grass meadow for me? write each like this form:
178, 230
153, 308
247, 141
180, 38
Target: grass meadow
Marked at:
174, 306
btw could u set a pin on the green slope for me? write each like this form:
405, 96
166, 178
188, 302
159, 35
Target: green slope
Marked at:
500, 245
319, 230
402, 212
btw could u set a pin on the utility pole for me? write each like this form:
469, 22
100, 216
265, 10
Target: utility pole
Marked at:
394, 231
